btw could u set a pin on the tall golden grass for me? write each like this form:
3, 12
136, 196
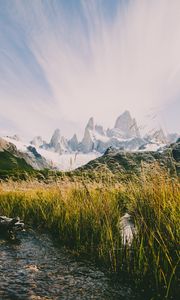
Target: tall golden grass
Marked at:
85, 217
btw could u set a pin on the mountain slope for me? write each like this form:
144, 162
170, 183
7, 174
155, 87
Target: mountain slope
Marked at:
40, 158
10, 162
13, 159
123, 162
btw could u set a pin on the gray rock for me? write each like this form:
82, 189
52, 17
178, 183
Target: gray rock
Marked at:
57, 143
37, 141
10, 224
73, 143
127, 125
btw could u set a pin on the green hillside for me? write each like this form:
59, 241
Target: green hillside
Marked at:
124, 163
10, 165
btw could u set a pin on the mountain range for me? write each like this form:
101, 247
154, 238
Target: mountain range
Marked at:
61, 153
125, 135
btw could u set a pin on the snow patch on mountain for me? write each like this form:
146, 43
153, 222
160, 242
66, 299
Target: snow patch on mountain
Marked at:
69, 161
63, 162
21, 146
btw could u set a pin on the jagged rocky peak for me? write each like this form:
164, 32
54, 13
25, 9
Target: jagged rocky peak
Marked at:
158, 136
55, 139
58, 143
87, 143
73, 143
61, 146
37, 141
91, 137
99, 129
74, 139
90, 124
127, 125
123, 119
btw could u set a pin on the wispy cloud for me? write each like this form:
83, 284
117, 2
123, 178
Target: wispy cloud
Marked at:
63, 64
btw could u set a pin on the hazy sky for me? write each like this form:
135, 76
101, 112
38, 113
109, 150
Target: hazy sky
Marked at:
62, 61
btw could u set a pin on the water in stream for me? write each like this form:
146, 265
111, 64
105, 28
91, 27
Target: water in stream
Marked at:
35, 269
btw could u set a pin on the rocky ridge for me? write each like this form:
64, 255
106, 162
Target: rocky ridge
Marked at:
124, 135
124, 162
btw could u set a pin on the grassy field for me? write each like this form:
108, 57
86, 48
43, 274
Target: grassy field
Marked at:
85, 217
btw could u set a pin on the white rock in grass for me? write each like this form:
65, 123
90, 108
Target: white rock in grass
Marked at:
127, 229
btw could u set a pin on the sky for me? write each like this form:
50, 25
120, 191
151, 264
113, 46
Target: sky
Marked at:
62, 62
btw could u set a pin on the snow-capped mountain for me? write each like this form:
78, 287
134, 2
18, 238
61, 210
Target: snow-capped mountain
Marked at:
66, 154
125, 134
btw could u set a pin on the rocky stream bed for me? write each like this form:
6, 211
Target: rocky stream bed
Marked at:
33, 267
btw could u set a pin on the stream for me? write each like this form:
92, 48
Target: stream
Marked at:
33, 268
